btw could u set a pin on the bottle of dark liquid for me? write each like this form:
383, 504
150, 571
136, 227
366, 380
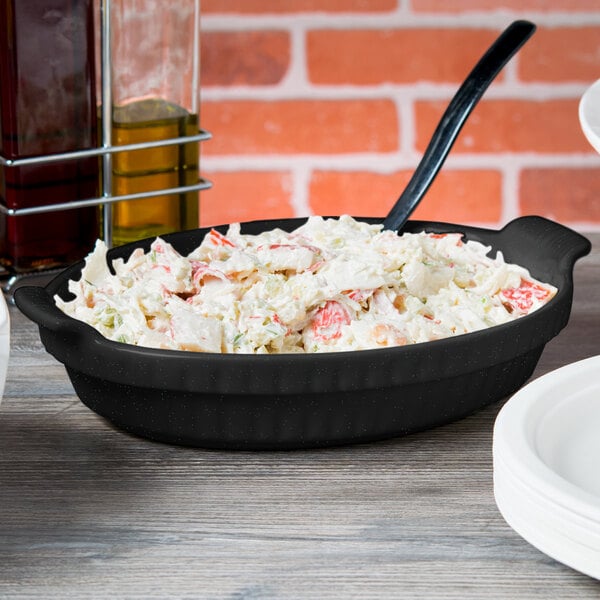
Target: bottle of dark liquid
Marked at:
47, 106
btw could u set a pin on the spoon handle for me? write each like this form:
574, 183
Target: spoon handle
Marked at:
465, 99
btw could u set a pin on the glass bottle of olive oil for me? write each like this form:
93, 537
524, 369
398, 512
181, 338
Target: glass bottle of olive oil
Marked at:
155, 66
155, 168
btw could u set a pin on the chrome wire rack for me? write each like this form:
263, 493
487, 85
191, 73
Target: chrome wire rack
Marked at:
105, 152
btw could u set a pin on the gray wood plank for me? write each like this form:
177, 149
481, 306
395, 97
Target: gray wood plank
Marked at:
87, 511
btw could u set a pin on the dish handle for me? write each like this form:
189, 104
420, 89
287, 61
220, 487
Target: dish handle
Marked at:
36, 304
555, 243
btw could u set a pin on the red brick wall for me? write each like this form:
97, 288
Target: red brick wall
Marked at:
325, 107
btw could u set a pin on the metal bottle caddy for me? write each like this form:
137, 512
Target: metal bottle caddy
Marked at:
106, 151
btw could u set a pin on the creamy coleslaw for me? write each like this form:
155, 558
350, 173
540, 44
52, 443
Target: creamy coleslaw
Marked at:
330, 285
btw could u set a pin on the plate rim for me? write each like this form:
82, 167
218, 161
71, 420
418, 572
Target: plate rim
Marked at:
592, 135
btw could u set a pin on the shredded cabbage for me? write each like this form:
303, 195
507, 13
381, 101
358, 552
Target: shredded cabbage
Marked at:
330, 285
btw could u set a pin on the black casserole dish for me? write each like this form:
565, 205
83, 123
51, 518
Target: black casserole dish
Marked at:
311, 400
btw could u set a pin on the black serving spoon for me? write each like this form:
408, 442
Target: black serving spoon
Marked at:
464, 101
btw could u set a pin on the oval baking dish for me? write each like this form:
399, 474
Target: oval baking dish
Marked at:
285, 401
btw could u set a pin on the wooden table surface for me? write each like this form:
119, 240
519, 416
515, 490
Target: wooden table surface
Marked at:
87, 511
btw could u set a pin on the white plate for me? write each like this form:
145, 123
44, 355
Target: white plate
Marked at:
4, 341
547, 464
589, 115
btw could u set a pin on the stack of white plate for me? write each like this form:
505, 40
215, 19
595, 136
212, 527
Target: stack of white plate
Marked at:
546, 454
